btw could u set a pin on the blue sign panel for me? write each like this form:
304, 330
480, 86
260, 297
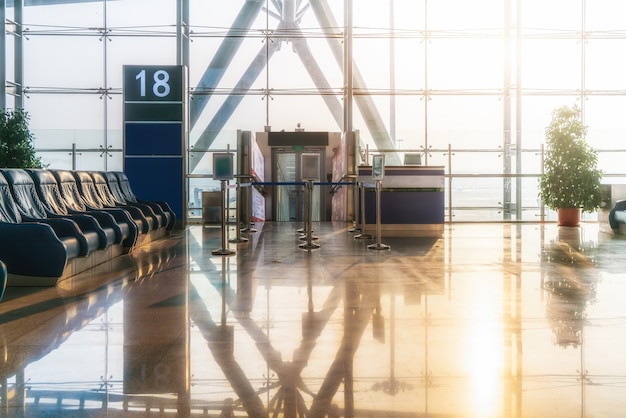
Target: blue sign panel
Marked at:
155, 133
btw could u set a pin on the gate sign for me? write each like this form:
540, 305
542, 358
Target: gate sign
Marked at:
155, 132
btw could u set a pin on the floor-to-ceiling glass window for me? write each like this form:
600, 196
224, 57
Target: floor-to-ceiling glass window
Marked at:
470, 85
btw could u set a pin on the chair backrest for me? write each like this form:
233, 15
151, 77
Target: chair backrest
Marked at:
88, 190
114, 187
48, 191
24, 193
129, 196
8, 210
102, 187
69, 190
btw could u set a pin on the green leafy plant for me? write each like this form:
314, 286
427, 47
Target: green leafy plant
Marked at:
16, 140
571, 178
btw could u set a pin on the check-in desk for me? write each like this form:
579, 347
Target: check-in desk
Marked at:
411, 201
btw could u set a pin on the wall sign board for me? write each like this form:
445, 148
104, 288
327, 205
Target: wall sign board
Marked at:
155, 132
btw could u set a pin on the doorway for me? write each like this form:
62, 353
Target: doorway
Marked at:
289, 199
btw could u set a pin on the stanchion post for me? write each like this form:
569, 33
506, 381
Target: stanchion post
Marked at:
223, 171
378, 173
355, 207
249, 224
309, 244
224, 250
238, 237
310, 169
362, 235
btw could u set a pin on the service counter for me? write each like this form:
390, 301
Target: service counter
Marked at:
412, 200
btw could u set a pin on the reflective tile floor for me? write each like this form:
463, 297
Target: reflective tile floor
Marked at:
487, 320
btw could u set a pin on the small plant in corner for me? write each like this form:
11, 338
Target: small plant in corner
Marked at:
16, 141
571, 178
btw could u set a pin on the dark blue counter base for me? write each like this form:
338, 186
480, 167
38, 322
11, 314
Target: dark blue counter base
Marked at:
405, 207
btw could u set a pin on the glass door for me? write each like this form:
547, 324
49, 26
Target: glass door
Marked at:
289, 198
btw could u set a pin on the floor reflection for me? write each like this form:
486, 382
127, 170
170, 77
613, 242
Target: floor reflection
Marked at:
485, 321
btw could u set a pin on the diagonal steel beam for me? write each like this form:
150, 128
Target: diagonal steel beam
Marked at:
373, 120
301, 47
230, 104
224, 56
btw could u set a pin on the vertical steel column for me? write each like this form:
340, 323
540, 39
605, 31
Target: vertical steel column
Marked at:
506, 115
347, 127
426, 93
105, 78
182, 32
392, 74
18, 76
3, 54
347, 68
518, 110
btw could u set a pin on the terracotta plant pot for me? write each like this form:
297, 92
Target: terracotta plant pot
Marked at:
569, 216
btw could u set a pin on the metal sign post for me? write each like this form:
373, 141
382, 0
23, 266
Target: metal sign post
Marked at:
309, 244
238, 238
362, 235
310, 169
223, 171
378, 173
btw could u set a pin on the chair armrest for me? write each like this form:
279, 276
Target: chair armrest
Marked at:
32, 250
120, 215
65, 228
85, 222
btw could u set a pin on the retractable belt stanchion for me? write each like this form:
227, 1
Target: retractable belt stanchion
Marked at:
362, 235
355, 210
238, 237
309, 244
223, 171
307, 228
249, 228
310, 172
224, 250
378, 173
378, 245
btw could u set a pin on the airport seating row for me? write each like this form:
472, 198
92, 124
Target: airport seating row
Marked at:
55, 224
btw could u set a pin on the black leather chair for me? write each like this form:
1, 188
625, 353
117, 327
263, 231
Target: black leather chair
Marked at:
109, 199
34, 248
129, 196
74, 203
32, 209
90, 196
166, 218
50, 197
89, 241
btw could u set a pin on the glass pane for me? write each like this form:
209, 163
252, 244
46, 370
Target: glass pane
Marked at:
465, 122
287, 196
465, 64
554, 14
550, 64
78, 64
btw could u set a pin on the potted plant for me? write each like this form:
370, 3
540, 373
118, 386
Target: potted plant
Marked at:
16, 147
570, 183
